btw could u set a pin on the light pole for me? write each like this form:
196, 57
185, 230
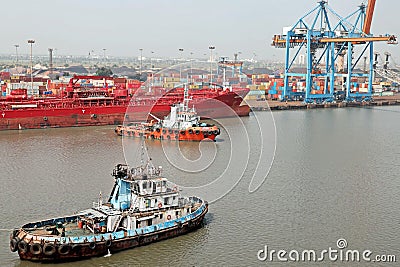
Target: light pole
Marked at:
211, 60
151, 59
16, 52
152, 70
180, 65
31, 42
104, 55
191, 65
141, 61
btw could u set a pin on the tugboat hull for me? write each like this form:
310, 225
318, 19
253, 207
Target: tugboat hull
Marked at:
42, 251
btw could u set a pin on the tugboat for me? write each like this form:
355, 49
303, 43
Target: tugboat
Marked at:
182, 124
143, 207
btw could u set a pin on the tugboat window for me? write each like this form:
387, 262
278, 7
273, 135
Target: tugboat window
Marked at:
161, 216
166, 201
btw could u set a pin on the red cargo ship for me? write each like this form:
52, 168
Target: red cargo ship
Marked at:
79, 105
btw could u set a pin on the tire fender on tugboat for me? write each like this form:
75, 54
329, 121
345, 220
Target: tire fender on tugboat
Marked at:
13, 245
49, 249
23, 246
92, 245
36, 249
64, 249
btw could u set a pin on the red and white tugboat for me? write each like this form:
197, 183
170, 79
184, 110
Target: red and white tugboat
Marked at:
182, 124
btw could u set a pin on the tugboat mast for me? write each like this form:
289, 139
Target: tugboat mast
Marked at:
186, 99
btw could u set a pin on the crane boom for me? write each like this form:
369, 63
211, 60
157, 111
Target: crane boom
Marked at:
368, 17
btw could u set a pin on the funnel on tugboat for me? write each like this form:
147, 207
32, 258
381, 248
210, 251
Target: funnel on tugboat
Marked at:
182, 124
143, 207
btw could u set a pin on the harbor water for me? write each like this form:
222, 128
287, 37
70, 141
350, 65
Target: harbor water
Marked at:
335, 175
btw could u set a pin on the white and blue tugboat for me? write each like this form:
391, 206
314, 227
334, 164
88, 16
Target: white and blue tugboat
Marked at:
144, 207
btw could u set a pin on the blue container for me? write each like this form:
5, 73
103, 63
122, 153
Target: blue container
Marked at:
4, 94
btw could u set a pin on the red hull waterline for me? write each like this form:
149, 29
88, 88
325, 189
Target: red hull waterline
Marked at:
34, 118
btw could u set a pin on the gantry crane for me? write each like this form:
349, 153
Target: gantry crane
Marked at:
384, 71
327, 40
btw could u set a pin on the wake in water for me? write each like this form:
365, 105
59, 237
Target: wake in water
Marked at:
108, 254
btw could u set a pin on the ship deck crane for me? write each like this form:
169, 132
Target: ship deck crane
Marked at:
326, 43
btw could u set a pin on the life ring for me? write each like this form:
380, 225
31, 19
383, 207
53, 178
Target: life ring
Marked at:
175, 188
108, 243
23, 246
45, 118
169, 217
49, 249
159, 205
13, 245
64, 249
36, 249
92, 245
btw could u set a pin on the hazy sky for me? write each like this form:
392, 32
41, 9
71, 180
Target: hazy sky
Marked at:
75, 27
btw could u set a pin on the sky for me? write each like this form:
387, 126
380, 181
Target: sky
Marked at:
122, 27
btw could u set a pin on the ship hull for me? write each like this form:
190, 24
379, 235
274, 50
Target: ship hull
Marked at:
36, 118
73, 252
192, 134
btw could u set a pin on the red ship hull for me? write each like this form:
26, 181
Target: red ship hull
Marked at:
62, 114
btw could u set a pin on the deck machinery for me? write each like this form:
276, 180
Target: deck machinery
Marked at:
328, 38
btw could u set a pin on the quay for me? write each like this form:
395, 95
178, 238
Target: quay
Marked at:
276, 105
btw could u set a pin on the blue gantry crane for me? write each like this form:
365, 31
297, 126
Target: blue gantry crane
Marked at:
327, 38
